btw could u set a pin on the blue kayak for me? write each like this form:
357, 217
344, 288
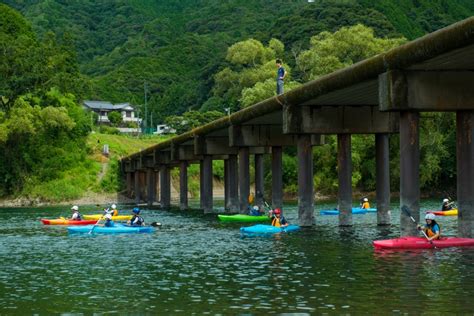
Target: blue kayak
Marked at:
116, 229
355, 210
268, 229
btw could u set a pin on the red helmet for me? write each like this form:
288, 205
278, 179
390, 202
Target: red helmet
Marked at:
277, 211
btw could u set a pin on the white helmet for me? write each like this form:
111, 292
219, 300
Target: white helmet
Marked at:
430, 216
108, 216
75, 208
255, 208
366, 200
114, 206
445, 200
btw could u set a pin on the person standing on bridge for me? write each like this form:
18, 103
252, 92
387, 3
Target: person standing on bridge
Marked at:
281, 73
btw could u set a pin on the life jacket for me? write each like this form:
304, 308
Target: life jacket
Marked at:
277, 222
137, 220
365, 205
115, 213
78, 217
429, 232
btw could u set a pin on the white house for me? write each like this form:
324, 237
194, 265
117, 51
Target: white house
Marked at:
103, 108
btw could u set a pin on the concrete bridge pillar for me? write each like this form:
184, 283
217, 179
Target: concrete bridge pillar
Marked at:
259, 180
183, 185
206, 198
244, 179
136, 187
277, 177
151, 186
382, 178
465, 172
226, 184
165, 187
344, 164
129, 180
233, 183
305, 181
201, 184
409, 171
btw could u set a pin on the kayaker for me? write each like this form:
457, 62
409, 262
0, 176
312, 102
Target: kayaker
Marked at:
277, 218
76, 216
108, 220
114, 210
432, 229
136, 219
255, 211
446, 206
365, 203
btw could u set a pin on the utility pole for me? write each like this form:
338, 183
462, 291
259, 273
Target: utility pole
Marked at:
146, 111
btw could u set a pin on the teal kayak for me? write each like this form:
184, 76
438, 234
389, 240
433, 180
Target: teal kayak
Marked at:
355, 210
267, 229
243, 218
116, 229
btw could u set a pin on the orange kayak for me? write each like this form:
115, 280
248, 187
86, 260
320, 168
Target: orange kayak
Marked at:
68, 222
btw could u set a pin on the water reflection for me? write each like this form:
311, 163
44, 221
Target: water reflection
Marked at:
195, 264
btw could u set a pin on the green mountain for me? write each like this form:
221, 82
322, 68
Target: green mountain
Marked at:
178, 46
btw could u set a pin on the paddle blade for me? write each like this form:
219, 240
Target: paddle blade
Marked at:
156, 224
250, 199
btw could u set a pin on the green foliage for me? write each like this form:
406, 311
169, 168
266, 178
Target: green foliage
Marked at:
191, 119
115, 118
331, 51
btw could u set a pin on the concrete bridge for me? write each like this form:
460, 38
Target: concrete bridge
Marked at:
381, 95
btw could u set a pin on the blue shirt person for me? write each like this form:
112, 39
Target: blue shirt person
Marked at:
281, 73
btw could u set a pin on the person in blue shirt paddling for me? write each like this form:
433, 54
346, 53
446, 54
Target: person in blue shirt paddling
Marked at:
136, 219
432, 229
277, 218
255, 211
108, 220
281, 73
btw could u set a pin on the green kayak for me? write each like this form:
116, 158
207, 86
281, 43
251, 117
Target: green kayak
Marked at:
243, 218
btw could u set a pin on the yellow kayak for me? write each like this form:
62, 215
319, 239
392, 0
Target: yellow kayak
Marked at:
115, 218
453, 212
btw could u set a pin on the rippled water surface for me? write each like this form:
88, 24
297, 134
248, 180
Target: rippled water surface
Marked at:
196, 265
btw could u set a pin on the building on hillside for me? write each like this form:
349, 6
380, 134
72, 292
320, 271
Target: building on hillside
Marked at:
104, 108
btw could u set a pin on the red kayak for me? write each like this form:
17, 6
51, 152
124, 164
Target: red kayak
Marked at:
68, 222
422, 243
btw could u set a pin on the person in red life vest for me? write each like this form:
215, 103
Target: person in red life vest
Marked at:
277, 218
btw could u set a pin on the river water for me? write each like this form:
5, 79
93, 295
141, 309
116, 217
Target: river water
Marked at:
196, 265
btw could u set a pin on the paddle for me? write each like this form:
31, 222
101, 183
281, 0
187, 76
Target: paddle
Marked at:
407, 211
92, 229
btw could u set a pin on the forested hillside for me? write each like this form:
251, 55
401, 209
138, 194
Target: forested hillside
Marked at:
196, 58
178, 46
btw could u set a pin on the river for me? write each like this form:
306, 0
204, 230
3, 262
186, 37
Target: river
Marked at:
196, 265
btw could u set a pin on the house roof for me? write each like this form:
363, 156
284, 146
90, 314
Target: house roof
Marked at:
106, 105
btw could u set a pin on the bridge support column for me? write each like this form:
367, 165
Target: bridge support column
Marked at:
129, 184
305, 181
344, 164
226, 184
151, 186
244, 179
201, 184
277, 177
206, 198
259, 179
409, 171
382, 178
165, 187
183, 185
465, 172
233, 183
137, 187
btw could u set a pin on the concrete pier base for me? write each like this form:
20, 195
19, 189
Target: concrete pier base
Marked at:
233, 201
165, 187
344, 164
183, 185
259, 179
151, 186
305, 181
244, 179
206, 198
409, 172
277, 177
382, 178
465, 172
